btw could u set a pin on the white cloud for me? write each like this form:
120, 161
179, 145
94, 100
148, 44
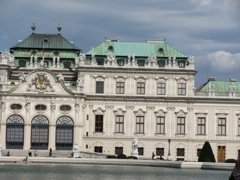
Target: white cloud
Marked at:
224, 62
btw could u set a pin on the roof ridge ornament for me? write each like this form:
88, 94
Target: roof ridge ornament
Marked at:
33, 27
59, 28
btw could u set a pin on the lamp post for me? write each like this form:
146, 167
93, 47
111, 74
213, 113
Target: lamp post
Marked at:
169, 153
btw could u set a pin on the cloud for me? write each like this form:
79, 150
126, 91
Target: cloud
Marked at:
224, 62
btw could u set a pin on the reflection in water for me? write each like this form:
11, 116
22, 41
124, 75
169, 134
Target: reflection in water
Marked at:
92, 172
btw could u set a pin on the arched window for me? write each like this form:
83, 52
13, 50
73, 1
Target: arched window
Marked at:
40, 133
181, 63
15, 132
64, 133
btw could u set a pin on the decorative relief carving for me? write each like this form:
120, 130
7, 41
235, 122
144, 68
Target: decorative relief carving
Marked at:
40, 83
109, 106
130, 107
140, 112
119, 112
160, 113
171, 108
181, 113
98, 111
150, 107
3, 106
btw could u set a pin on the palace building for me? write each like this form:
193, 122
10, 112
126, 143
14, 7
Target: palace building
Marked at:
53, 95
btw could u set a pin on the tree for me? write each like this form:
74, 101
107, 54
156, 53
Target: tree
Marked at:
206, 154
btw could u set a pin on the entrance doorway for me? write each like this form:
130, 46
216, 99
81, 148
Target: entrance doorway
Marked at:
221, 153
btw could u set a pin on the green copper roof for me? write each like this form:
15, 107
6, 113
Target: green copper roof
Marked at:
48, 41
156, 48
220, 86
26, 54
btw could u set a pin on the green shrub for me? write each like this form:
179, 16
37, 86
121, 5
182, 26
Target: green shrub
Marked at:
111, 157
132, 157
121, 156
206, 154
230, 161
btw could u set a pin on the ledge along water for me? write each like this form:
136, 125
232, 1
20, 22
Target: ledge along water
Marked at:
124, 162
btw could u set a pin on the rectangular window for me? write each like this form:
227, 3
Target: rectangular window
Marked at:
140, 151
180, 151
120, 87
119, 127
118, 150
160, 125
181, 88
161, 88
201, 125
181, 125
160, 151
99, 87
141, 88
140, 124
98, 149
221, 126
99, 123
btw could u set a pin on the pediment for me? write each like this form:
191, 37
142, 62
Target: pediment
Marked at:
40, 82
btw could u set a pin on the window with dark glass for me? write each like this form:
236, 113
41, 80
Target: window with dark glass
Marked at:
221, 126
161, 63
160, 125
120, 62
65, 108
141, 62
119, 127
39, 133
16, 106
14, 132
67, 64
201, 125
64, 133
140, 151
118, 150
181, 125
140, 124
100, 61
161, 88
181, 88
120, 87
199, 152
140, 87
99, 87
181, 64
180, 152
160, 151
99, 123
22, 63
40, 107
98, 149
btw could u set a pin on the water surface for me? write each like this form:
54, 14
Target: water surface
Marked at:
97, 172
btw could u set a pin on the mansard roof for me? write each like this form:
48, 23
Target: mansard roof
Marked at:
219, 87
51, 41
157, 48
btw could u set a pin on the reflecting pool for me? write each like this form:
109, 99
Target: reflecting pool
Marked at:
92, 172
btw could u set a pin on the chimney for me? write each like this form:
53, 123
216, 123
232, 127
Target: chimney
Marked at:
211, 78
232, 79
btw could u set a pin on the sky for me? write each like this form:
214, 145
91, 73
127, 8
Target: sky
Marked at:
207, 29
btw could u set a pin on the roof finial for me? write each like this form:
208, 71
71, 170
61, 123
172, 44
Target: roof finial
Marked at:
33, 27
59, 28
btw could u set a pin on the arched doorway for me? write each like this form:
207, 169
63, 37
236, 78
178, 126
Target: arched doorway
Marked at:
15, 132
39, 133
64, 133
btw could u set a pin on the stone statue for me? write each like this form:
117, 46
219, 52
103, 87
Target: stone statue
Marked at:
60, 77
135, 145
236, 171
110, 57
22, 76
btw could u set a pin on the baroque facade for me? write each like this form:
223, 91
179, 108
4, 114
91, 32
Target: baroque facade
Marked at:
55, 96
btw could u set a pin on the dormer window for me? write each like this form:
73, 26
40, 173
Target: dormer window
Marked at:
110, 48
120, 62
22, 63
141, 62
181, 64
161, 63
160, 50
100, 61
